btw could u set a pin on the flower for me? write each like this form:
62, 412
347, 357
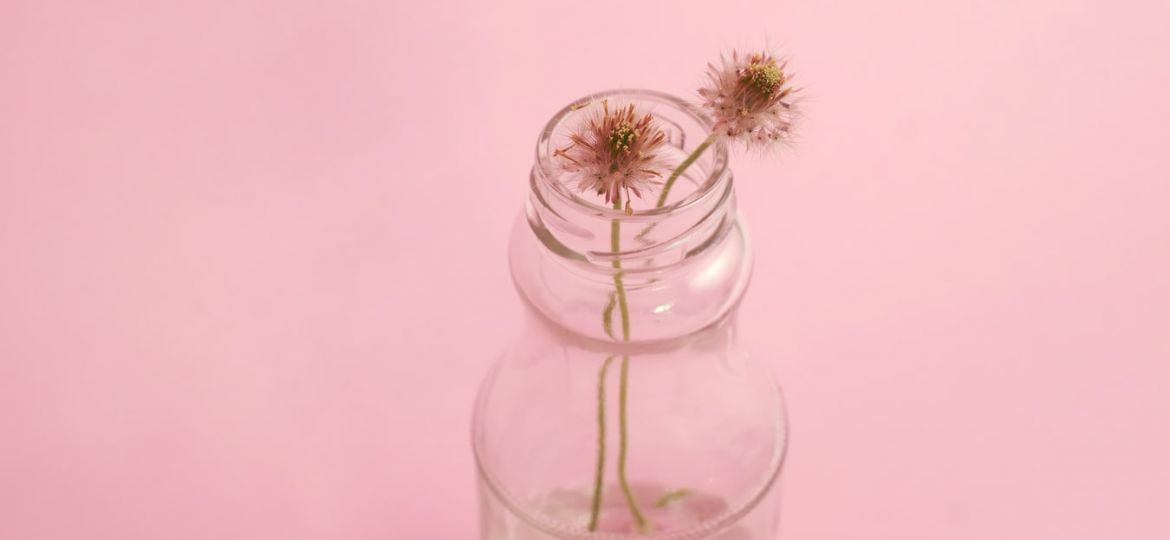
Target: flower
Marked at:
611, 151
750, 99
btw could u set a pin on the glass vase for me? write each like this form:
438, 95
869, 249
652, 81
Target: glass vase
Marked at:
627, 409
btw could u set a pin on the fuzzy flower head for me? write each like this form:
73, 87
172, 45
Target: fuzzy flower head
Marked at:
750, 99
613, 151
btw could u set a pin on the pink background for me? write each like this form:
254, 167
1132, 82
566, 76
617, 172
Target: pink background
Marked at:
252, 257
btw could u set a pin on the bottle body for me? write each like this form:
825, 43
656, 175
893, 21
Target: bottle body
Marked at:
628, 408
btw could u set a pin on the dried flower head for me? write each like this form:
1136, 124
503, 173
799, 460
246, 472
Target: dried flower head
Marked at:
614, 150
750, 99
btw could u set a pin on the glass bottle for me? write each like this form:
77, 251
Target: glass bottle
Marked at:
632, 415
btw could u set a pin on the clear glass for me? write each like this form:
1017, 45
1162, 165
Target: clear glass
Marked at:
667, 431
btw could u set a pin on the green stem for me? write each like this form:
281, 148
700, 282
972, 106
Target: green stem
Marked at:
615, 239
615, 243
690, 160
639, 519
674, 176
595, 512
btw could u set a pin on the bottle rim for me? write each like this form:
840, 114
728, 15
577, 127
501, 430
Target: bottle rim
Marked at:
712, 186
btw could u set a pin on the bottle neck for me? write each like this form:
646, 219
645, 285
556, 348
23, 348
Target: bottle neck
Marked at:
659, 274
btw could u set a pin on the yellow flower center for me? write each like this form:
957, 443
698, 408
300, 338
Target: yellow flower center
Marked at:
765, 77
621, 138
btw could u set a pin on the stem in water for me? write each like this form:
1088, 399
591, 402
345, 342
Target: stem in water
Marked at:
595, 511
623, 443
623, 423
615, 241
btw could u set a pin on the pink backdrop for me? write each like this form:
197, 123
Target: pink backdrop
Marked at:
252, 257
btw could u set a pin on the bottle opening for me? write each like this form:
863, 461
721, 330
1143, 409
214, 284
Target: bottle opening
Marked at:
659, 216
685, 128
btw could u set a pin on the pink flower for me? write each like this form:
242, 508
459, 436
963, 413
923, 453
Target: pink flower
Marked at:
750, 99
611, 151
